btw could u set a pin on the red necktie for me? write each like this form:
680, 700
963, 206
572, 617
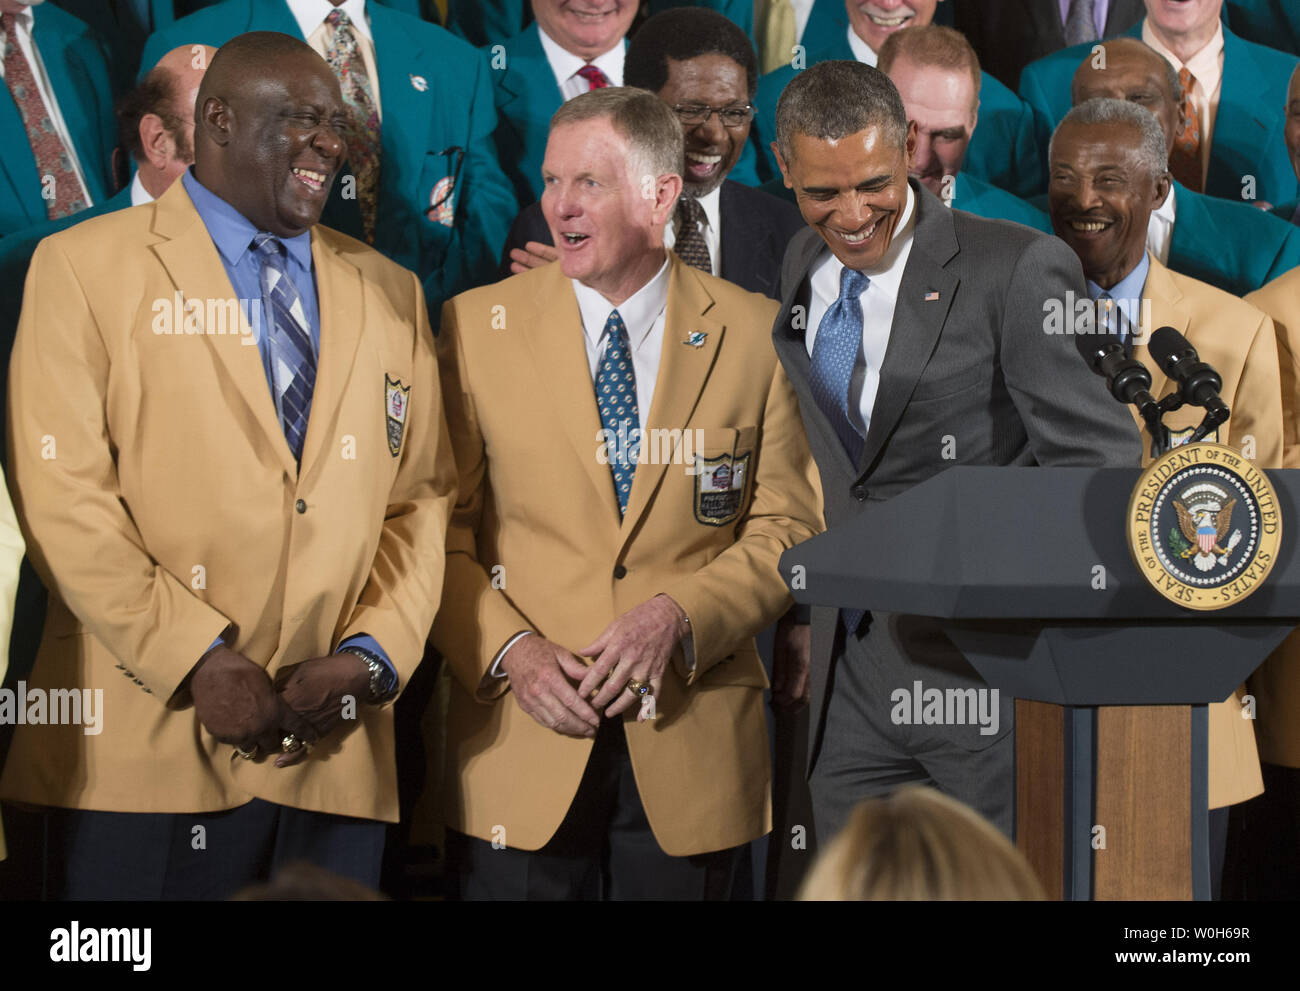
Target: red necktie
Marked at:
595, 78
1185, 156
53, 160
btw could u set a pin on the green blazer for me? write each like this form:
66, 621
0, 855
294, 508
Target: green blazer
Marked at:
1233, 246
79, 76
435, 96
1247, 139
986, 200
1003, 150
1266, 22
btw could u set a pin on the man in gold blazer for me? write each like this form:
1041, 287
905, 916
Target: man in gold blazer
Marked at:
238, 503
1108, 171
631, 467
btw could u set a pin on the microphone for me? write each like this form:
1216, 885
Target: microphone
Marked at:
1198, 383
1127, 378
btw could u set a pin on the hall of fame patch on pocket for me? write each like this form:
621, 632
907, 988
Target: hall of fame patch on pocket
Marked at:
397, 399
720, 488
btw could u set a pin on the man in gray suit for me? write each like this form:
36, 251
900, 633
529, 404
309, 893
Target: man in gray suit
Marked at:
914, 336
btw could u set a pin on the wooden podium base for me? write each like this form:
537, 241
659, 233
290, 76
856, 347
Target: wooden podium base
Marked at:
1111, 800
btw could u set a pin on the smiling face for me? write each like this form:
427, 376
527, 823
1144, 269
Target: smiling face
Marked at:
712, 149
942, 104
586, 28
606, 220
851, 191
281, 141
875, 20
1101, 198
1133, 73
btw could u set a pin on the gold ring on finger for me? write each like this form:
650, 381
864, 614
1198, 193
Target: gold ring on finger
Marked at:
638, 688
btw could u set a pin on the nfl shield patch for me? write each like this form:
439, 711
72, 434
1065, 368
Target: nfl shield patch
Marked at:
397, 398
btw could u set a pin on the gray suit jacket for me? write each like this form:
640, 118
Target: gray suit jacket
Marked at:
970, 373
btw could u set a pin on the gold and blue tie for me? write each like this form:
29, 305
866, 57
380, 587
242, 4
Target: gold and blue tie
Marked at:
616, 400
292, 355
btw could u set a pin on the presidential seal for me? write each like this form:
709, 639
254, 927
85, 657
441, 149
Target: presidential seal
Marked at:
1204, 526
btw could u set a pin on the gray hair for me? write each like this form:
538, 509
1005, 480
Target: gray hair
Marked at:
1152, 154
831, 100
651, 129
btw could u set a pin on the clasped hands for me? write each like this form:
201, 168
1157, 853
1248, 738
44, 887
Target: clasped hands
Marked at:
563, 694
238, 703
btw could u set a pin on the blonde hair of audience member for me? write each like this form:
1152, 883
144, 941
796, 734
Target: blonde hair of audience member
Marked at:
919, 845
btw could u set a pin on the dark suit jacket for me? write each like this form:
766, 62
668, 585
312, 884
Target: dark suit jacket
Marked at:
973, 363
756, 228
1009, 34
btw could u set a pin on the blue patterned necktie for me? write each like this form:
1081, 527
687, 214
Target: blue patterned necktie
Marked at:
835, 352
289, 344
616, 399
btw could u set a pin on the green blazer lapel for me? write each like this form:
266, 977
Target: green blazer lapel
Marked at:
1244, 123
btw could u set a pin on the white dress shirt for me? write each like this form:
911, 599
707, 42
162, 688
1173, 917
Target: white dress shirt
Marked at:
311, 14
139, 195
23, 28
1206, 67
644, 315
565, 65
878, 303
802, 11
1160, 229
861, 50
711, 205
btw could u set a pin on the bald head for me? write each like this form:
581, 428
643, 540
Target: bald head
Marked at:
270, 131
1127, 69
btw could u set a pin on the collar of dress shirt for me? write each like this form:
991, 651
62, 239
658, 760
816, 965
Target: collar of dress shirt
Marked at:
1206, 65
1165, 211
861, 50
711, 204
887, 275
639, 311
566, 65
311, 14
1127, 292
231, 231
139, 195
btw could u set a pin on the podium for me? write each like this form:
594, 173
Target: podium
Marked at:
1030, 576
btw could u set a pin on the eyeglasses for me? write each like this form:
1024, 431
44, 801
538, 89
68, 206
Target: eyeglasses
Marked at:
694, 114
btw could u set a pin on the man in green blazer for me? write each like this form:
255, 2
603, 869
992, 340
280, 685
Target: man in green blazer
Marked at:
1004, 153
489, 22
82, 96
1247, 158
444, 206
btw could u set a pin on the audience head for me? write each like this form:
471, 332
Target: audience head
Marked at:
156, 119
611, 177
270, 132
585, 28
843, 143
1130, 70
1183, 24
937, 74
1107, 171
696, 60
1293, 120
919, 845
875, 20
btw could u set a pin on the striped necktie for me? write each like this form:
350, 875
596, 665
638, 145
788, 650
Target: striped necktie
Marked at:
619, 416
289, 344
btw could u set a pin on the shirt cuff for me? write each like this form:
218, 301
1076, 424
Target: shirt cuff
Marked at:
371, 645
495, 670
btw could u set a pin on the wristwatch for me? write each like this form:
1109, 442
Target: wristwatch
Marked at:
383, 680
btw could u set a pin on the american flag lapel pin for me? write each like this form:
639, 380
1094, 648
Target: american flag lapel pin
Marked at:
931, 297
